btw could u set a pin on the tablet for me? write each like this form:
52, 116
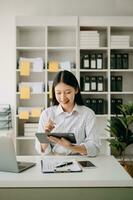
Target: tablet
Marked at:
43, 137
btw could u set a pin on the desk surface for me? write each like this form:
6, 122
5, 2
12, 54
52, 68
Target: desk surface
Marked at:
108, 173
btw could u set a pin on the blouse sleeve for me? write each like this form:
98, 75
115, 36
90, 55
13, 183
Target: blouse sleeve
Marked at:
92, 140
43, 119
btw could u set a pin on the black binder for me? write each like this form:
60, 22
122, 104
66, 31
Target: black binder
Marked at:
100, 84
86, 83
119, 83
86, 61
94, 105
93, 83
113, 83
100, 106
99, 61
125, 60
93, 64
113, 106
119, 61
113, 61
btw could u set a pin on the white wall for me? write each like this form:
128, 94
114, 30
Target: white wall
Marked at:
11, 8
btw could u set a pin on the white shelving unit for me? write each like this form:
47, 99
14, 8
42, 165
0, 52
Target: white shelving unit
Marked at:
57, 39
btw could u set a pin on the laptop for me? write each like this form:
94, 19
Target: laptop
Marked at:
8, 161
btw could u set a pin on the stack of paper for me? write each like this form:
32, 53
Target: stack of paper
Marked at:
89, 39
5, 116
66, 65
55, 164
120, 41
34, 87
30, 129
36, 64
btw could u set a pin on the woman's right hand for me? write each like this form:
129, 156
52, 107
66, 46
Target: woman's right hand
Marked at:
49, 126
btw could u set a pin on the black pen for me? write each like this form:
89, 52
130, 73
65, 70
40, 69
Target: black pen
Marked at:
64, 164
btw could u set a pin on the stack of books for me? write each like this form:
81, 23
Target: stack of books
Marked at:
120, 41
5, 117
30, 129
89, 39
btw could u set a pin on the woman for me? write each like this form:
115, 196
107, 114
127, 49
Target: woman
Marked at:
68, 114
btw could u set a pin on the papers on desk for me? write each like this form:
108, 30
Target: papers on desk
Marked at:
52, 165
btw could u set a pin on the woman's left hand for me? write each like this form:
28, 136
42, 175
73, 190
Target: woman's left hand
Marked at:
63, 142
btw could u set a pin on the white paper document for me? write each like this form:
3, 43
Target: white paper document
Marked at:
59, 165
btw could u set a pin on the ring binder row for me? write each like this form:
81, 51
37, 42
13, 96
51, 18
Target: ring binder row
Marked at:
99, 106
5, 117
92, 83
91, 61
115, 103
119, 61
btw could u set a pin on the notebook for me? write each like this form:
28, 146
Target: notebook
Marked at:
8, 161
59, 165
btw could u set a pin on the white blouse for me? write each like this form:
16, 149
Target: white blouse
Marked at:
81, 122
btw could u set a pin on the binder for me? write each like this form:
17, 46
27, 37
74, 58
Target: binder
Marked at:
119, 83
86, 61
93, 61
100, 84
94, 105
93, 83
119, 61
113, 106
119, 102
113, 83
125, 60
88, 103
113, 61
100, 106
86, 83
99, 61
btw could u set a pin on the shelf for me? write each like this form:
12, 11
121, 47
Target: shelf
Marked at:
59, 39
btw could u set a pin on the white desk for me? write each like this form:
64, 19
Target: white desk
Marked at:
108, 179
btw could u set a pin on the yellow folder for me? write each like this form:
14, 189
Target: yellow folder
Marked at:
53, 66
25, 93
25, 68
24, 115
35, 112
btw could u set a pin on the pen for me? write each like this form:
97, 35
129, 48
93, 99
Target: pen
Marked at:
64, 164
